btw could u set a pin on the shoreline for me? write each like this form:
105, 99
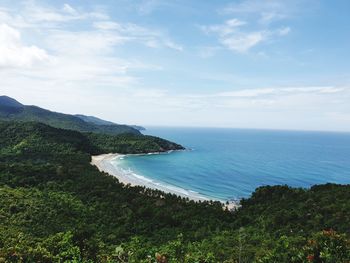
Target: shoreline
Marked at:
104, 164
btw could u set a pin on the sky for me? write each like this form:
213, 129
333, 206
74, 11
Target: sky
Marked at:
244, 64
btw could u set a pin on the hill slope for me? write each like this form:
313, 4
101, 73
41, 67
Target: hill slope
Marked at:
11, 109
98, 121
95, 120
10, 102
56, 207
32, 137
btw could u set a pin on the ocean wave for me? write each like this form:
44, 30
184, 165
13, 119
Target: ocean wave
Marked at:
138, 179
142, 178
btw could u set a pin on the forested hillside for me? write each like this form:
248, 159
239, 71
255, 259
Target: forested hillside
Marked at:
56, 207
12, 110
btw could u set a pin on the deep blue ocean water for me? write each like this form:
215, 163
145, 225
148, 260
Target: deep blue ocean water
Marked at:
228, 164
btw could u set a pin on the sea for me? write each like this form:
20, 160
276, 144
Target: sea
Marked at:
229, 164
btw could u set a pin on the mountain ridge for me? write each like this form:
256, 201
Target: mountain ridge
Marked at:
99, 121
10, 102
12, 110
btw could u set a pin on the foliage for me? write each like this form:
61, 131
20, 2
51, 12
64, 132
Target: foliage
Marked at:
56, 207
131, 143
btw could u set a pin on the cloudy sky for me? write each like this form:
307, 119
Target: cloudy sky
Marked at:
246, 63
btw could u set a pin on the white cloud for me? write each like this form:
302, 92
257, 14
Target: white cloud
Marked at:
30, 15
35, 14
68, 59
132, 32
83, 42
258, 7
269, 17
259, 15
228, 27
284, 31
233, 37
80, 49
247, 93
242, 42
172, 45
250, 93
106, 25
14, 53
70, 10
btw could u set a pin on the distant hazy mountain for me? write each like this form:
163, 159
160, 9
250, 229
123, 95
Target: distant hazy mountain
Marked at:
9, 102
137, 127
10, 106
98, 121
10, 109
95, 120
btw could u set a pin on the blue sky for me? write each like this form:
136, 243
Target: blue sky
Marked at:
245, 64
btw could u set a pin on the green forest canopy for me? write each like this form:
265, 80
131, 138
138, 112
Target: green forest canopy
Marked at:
56, 207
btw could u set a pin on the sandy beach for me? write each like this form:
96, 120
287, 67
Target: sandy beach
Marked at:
103, 163
107, 163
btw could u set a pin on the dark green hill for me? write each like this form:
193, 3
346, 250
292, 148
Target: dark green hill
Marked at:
11, 109
28, 138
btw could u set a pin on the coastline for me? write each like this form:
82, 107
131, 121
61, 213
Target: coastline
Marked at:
104, 164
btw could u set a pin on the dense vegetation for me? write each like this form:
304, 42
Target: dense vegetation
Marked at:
25, 139
11, 109
56, 207
131, 143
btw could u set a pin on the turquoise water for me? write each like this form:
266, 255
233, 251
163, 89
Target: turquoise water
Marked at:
228, 164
